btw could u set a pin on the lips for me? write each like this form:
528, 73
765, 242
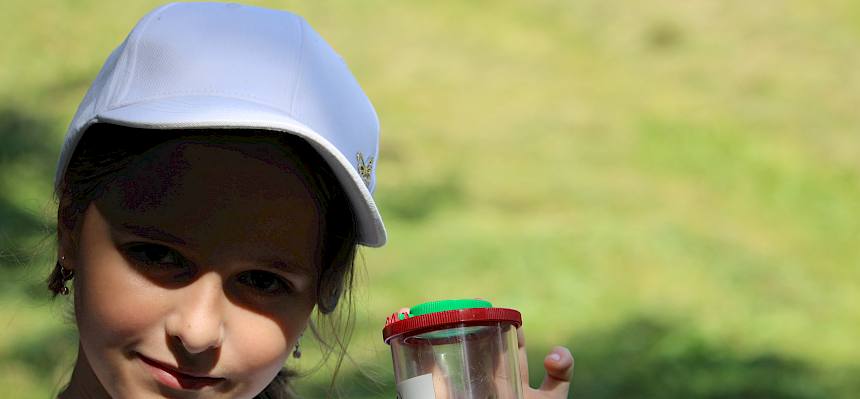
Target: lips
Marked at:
174, 378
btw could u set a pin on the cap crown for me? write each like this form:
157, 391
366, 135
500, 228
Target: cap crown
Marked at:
268, 57
213, 65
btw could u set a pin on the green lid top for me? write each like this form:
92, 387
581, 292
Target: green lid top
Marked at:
448, 304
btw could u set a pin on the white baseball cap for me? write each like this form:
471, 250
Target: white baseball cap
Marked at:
213, 65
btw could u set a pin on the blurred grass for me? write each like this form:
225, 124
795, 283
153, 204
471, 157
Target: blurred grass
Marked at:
668, 188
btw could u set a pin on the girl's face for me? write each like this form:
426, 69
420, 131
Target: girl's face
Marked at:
194, 273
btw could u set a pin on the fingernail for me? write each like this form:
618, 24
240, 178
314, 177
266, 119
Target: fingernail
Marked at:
554, 357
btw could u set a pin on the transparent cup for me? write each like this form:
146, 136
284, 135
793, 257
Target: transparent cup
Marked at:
462, 353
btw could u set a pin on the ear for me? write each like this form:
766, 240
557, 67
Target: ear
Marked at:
67, 234
329, 295
66, 247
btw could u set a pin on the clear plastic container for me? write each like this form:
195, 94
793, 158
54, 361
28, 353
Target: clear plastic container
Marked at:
458, 349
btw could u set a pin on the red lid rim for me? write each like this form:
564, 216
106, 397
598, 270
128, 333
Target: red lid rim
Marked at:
450, 318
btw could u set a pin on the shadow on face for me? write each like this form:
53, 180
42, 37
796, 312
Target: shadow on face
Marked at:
202, 254
227, 207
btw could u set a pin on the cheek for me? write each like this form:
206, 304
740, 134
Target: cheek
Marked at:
260, 344
259, 350
113, 303
116, 310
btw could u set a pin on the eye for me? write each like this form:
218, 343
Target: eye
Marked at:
265, 283
155, 256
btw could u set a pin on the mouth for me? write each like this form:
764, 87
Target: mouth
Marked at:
177, 379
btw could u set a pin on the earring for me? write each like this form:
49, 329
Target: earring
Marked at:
297, 352
67, 275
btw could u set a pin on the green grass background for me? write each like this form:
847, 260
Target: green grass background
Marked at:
668, 188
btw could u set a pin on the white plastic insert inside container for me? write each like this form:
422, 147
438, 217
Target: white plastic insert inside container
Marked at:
455, 349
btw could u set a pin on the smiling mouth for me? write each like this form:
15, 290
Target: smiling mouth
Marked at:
173, 378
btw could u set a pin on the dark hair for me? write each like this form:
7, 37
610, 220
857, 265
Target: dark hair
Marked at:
106, 151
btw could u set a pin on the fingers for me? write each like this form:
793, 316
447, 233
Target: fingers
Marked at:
523, 358
559, 370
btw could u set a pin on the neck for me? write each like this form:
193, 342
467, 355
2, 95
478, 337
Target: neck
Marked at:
84, 384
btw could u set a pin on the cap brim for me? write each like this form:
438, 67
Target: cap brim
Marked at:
195, 112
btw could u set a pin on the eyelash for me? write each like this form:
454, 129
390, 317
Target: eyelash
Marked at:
282, 286
141, 252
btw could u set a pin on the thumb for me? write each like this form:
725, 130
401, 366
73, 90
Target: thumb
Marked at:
559, 370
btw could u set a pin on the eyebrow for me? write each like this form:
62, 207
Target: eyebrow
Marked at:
153, 233
156, 234
285, 266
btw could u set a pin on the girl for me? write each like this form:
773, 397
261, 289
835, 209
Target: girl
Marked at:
213, 187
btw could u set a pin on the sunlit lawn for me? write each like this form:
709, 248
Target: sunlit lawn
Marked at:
687, 170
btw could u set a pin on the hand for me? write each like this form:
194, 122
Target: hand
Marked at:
559, 370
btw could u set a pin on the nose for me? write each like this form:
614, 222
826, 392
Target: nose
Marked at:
198, 317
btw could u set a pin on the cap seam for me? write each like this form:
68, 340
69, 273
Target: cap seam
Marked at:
214, 93
299, 60
132, 52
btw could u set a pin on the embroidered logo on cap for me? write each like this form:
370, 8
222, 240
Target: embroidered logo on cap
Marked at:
364, 169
